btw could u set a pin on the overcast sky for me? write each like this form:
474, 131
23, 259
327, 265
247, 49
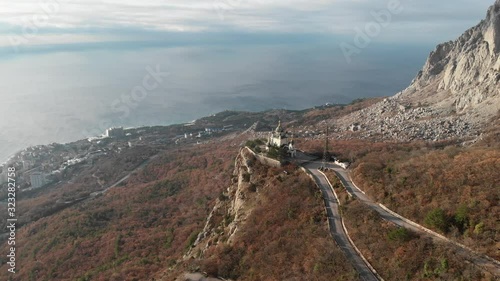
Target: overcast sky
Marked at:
49, 22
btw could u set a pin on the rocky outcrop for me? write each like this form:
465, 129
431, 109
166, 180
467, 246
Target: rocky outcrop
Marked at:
231, 208
195, 277
469, 68
402, 122
455, 95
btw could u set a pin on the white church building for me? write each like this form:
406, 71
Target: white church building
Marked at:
279, 139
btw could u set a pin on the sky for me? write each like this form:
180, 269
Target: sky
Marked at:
69, 69
28, 23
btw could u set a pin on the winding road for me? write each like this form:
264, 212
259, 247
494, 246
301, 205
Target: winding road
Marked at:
139, 167
335, 223
483, 261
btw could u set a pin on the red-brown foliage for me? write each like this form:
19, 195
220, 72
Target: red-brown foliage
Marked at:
284, 238
464, 182
133, 231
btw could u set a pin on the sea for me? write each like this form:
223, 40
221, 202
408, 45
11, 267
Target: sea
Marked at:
63, 95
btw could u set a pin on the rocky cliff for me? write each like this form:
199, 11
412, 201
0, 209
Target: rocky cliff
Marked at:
455, 95
232, 207
467, 69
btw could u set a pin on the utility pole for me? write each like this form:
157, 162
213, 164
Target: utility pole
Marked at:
325, 151
291, 145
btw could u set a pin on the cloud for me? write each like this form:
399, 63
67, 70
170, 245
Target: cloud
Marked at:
57, 21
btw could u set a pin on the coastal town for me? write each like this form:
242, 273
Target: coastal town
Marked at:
47, 165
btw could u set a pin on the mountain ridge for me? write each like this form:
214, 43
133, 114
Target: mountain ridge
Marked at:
469, 67
456, 95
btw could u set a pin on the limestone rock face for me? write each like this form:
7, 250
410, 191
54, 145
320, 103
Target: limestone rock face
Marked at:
468, 67
231, 209
454, 96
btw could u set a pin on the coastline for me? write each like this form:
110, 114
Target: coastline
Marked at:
4, 159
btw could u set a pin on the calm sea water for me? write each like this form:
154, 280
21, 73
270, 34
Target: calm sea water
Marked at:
63, 96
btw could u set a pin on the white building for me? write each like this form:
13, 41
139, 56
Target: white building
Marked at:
37, 179
278, 137
115, 132
27, 164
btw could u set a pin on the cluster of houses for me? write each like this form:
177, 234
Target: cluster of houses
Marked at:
200, 134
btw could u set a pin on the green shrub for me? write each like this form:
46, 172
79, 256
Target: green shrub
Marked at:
118, 243
479, 228
169, 238
192, 238
433, 268
437, 219
400, 234
276, 153
246, 177
461, 218
254, 144
228, 219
